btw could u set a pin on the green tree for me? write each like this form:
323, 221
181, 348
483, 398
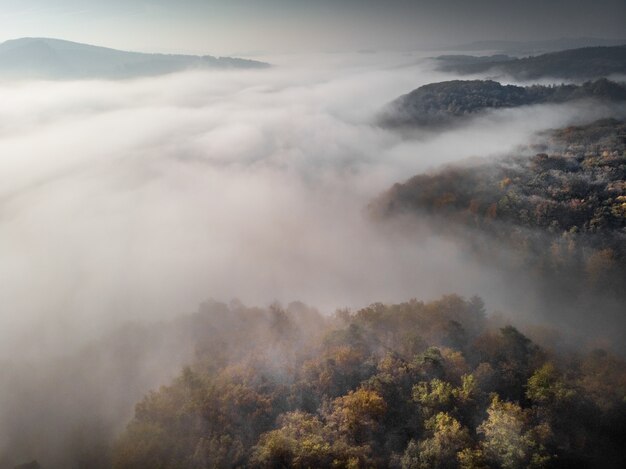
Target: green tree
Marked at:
510, 440
441, 450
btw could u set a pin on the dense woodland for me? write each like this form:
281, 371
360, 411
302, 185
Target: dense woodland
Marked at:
411, 385
421, 385
574, 64
560, 213
441, 103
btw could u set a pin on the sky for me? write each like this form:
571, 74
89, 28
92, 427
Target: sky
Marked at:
248, 26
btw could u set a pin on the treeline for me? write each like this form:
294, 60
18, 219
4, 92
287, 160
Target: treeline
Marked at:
560, 214
577, 64
411, 385
440, 103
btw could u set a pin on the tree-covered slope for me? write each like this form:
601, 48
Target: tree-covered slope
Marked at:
561, 211
575, 64
45, 58
410, 385
441, 103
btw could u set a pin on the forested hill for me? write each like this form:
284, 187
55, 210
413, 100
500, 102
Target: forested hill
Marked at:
410, 385
540, 46
575, 64
441, 103
562, 211
46, 58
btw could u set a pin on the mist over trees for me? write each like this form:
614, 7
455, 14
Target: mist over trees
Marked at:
435, 384
412, 385
560, 214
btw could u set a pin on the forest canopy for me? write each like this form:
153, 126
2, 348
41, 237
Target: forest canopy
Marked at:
441, 103
560, 214
412, 385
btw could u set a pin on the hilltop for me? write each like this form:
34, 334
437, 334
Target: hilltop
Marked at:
45, 58
441, 103
574, 64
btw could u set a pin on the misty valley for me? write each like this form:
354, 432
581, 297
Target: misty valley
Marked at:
404, 259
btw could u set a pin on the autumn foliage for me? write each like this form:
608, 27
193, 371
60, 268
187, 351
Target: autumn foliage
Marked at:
411, 385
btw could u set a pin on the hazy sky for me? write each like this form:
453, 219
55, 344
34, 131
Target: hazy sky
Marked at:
231, 26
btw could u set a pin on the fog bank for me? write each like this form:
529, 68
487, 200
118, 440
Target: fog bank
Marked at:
139, 199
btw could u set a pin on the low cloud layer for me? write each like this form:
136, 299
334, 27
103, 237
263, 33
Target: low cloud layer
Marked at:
139, 199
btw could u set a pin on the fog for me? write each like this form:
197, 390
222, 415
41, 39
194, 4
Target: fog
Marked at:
137, 200
140, 199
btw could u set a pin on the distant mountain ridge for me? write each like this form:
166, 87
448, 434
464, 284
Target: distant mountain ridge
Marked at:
46, 58
539, 46
577, 64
